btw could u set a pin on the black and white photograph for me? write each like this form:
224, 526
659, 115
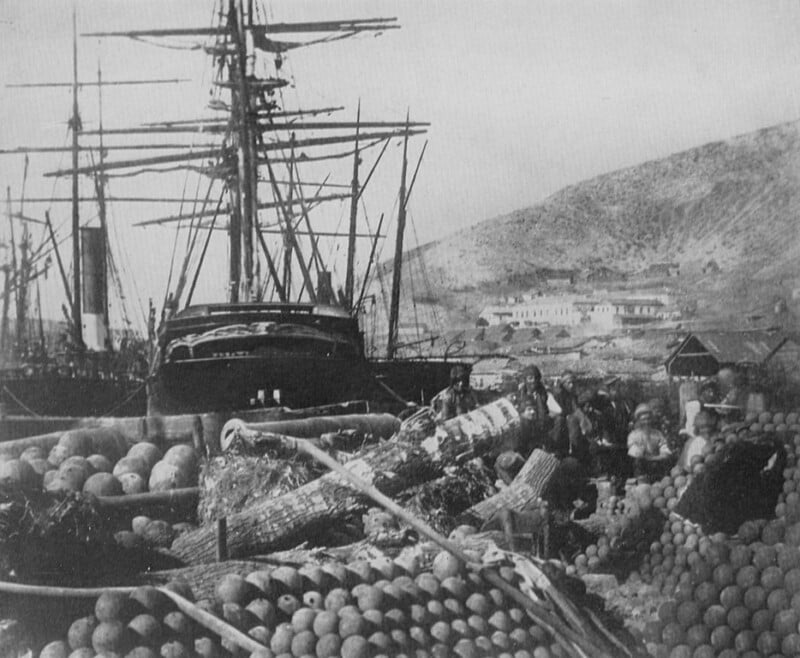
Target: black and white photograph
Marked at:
399, 329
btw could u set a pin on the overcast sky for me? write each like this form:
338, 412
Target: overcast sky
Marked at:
524, 97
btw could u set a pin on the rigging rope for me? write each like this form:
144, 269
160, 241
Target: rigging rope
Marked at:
426, 279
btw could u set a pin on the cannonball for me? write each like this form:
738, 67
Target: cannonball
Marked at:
80, 632
148, 452
159, 533
57, 649
131, 465
111, 606
102, 484
100, 463
17, 473
132, 483
166, 476
233, 588
182, 455
110, 637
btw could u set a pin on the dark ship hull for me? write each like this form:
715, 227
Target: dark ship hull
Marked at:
243, 382
53, 394
230, 357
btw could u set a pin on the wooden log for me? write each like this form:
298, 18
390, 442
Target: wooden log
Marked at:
143, 501
380, 426
284, 521
526, 487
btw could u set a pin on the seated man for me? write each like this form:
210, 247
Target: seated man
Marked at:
647, 446
457, 398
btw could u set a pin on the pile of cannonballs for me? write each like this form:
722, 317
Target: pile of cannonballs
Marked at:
105, 466
729, 596
376, 608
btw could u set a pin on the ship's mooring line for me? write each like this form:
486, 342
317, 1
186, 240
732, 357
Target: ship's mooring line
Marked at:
21, 403
125, 401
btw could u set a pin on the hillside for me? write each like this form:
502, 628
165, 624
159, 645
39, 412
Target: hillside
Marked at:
736, 202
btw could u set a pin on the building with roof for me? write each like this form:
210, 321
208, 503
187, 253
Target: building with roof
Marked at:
703, 354
494, 373
598, 311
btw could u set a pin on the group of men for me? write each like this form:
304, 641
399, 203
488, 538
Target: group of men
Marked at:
599, 428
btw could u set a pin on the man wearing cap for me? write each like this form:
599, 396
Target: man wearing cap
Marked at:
457, 398
647, 446
614, 413
567, 436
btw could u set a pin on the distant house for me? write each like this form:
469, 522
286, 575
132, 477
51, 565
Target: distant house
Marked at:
499, 333
603, 273
703, 354
711, 267
494, 373
663, 269
557, 277
526, 335
635, 311
497, 314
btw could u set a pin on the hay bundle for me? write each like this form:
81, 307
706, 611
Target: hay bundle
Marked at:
440, 501
65, 539
233, 481
44, 536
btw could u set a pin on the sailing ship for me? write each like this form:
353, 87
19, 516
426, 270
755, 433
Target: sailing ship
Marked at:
285, 334
79, 371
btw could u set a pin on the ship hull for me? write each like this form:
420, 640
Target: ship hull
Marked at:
236, 383
414, 380
50, 394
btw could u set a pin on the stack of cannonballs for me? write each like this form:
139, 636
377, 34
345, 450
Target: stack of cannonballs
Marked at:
376, 608
143, 624
631, 515
738, 595
81, 462
628, 523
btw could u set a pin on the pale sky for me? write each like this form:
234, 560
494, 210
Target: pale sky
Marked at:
524, 97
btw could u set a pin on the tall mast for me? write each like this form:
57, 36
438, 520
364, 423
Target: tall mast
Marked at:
75, 124
11, 271
246, 146
4, 321
235, 221
394, 306
351, 240
287, 245
100, 185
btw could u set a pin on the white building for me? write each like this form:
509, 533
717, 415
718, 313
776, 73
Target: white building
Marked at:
603, 313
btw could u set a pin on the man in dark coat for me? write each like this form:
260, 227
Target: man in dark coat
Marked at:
456, 399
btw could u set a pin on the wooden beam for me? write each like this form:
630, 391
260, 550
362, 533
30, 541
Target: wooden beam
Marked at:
261, 206
350, 25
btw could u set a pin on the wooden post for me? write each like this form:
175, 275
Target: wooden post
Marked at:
222, 539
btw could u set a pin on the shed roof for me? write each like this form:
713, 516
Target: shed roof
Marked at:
726, 347
741, 346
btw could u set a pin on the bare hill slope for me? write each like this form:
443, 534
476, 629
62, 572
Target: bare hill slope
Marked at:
736, 202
